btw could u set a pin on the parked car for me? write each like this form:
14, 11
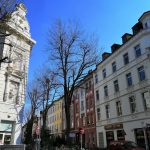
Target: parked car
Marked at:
124, 145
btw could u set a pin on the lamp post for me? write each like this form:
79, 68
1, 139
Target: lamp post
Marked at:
145, 136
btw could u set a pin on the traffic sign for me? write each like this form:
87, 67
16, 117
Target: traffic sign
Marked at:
81, 130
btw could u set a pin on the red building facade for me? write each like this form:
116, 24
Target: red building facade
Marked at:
82, 113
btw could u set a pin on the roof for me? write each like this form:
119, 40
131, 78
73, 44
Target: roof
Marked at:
144, 14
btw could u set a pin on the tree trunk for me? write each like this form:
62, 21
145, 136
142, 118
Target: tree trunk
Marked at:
67, 112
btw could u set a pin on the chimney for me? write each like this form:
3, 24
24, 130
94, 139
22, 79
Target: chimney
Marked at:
105, 55
126, 37
115, 47
137, 28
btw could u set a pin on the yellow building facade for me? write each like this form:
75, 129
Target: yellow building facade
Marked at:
54, 122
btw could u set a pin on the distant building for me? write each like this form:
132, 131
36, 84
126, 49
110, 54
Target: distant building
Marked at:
87, 111
122, 88
54, 118
13, 76
82, 114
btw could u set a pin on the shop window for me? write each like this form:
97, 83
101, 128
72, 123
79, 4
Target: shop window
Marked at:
139, 136
109, 136
120, 135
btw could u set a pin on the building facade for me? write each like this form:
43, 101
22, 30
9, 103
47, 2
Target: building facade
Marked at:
87, 111
82, 114
54, 118
13, 76
122, 88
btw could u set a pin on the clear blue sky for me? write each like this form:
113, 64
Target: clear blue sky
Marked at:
109, 19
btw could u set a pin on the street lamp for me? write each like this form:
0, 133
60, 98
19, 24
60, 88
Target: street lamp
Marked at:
145, 136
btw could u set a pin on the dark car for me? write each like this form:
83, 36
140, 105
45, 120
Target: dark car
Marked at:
124, 145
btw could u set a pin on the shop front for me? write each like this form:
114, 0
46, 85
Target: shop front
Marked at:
6, 132
114, 132
141, 138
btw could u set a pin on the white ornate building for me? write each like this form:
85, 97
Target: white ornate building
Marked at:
122, 88
13, 76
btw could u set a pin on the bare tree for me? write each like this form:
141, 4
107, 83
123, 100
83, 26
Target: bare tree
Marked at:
72, 54
48, 90
34, 96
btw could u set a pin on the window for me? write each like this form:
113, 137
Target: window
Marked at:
98, 114
107, 107
132, 104
119, 109
77, 108
82, 105
13, 93
141, 73
129, 79
88, 119
116, 86
82, 93
146, 99
86, 86
91, 102
105, 91
96, 78
83, 119
77, 122
121, 135
97, 95
126, 58
137, 51
104, 73
114, 68
90, 85
146, 25
92, 118
87, 104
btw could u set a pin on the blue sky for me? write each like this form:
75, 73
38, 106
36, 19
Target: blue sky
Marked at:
109, 19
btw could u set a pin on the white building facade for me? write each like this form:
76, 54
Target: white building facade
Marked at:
13, 76
122, 89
